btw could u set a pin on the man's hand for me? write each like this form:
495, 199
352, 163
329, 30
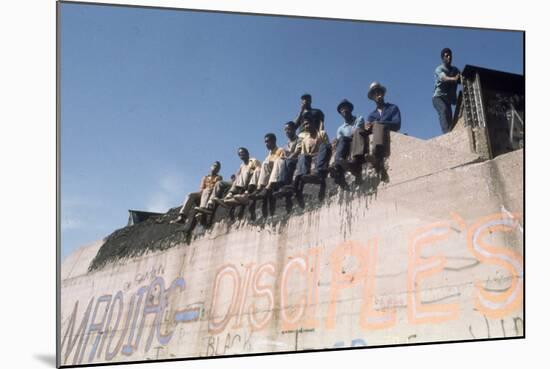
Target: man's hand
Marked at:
368, 126
459, 78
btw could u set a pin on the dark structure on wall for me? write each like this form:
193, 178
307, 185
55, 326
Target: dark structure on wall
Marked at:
492, 103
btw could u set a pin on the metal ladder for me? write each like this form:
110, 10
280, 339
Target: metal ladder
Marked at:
474, 113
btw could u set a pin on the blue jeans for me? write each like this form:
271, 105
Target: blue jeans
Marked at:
321, 161
443, 108
343, 146
288, 171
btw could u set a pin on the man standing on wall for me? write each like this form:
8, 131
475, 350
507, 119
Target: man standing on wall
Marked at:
447, 77
317, 116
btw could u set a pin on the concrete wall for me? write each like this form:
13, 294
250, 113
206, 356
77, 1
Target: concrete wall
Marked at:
436, 254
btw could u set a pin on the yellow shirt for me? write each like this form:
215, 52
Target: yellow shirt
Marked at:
209, 181
275, 154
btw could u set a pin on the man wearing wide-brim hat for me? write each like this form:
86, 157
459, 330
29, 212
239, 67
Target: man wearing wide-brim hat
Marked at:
386, 117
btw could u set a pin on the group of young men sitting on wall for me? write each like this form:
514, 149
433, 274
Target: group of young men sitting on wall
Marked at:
308, 156
305, 158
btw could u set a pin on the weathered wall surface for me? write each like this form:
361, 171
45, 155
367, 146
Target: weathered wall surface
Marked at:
434, 255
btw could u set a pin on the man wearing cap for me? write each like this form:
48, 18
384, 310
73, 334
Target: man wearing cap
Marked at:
344, 135
314, 150
318, 118
446, 79
200, 198
386, 117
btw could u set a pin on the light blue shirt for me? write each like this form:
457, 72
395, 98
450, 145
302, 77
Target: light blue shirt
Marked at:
346, 130
442, 88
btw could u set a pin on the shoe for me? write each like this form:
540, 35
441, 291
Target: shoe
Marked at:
201, 218
371, 172
203, 210
260, 194
284, 191
300, 200
242, 199
333, 171
341, 182
179, 219
384, 176
222, 202
311, 178
230, 202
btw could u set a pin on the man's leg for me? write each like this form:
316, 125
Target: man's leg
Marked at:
321, 166
277, 172
264, 184
220, 189
218, 193
444, 112
283, 173
270, 184
241, 196
343, 146
289, 169
254, 178
190, 202
359, 146
265, 174
323, 158
381, 142
239, 186
302, 168
205, 197
203, 209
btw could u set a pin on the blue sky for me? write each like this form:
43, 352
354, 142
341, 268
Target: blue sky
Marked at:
150, 98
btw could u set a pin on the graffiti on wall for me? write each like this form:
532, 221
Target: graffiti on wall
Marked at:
109, 316
248, 298
303, 270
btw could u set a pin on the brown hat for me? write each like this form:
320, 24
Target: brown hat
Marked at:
374, 87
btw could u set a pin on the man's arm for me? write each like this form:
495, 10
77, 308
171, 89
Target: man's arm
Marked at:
371, 119
446, 78
297, 150
324, 137
298, 119
359, 123
255, 164
443, 77
339, 133
321, 120
394, 120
